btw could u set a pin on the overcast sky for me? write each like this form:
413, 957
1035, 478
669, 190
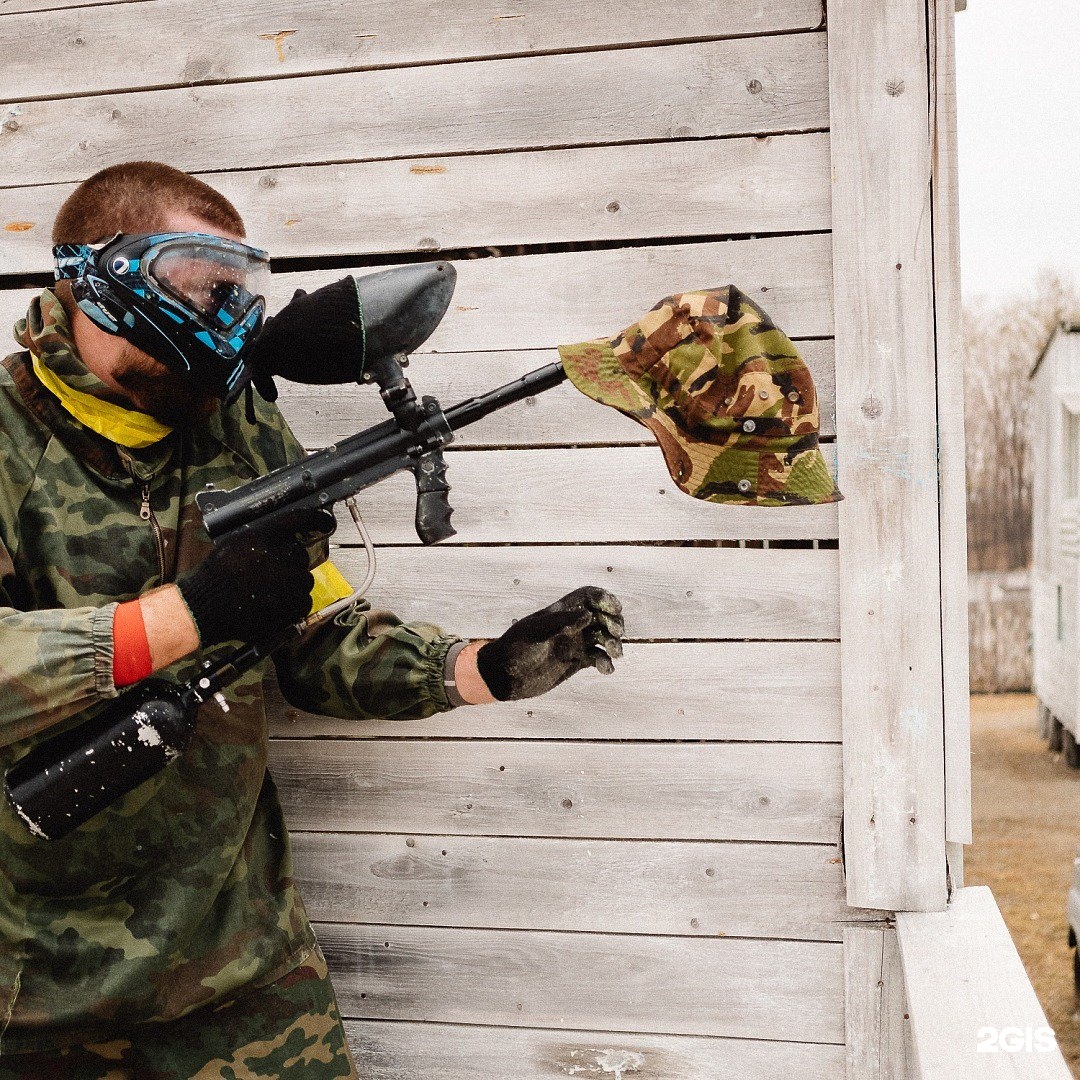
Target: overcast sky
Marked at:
1018, 91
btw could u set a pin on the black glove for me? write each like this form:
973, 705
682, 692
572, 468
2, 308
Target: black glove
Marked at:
316, 338
253, 585
583, 629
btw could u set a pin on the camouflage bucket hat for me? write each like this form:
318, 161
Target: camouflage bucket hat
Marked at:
724, 391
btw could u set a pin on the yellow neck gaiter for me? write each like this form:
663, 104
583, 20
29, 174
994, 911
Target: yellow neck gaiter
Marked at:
126, 427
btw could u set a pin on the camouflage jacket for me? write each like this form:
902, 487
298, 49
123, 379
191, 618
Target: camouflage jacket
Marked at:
182, 892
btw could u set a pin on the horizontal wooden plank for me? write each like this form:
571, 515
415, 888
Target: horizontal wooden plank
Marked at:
562, 416
660, 887
253, 39
673, 791
751, 86
598, 495
763, 691
402, 1050
14, 7
543, 301
666, 592
709, 187
692, 986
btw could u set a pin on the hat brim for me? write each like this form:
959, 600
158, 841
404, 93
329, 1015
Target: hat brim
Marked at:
710, 471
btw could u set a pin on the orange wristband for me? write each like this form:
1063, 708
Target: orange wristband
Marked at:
131, 649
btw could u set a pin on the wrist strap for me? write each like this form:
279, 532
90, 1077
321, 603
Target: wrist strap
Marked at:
449, 678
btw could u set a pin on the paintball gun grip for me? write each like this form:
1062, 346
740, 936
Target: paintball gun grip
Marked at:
433, 507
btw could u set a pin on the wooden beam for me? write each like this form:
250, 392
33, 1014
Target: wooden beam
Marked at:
521, 978
580, 495
973, 1009
539, 301
528, 883
707, 187
563, 416
887, 443
746, 87
664, 791
951, 441
878, 1031
16, 7
666, 592
758, 691
405, 1050
545, 300
266, 39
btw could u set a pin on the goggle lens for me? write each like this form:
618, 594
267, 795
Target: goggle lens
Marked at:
219, 284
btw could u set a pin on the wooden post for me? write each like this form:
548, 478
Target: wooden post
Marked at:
878, 1033
951, 445
886, 395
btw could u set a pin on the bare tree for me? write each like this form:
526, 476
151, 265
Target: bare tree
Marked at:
1002, 341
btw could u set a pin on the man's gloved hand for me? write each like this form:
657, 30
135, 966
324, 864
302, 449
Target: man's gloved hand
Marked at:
316, 338
252, 586
583, 629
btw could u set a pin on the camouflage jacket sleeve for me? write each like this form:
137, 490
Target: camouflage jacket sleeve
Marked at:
367, 665
56, 661
53, 664
364, 664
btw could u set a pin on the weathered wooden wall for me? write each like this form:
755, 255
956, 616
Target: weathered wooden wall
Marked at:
639, 874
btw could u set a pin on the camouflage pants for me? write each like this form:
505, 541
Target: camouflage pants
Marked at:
290, 1028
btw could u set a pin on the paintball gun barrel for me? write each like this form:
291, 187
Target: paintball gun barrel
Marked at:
68, 779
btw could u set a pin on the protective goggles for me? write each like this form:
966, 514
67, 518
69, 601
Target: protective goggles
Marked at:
190, 300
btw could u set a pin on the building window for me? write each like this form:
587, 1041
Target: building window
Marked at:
1071, 453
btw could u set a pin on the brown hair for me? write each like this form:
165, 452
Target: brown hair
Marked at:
137, 197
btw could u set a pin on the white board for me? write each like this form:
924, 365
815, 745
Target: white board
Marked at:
750, 86
519, 978
683, 791
698, 888
760, 691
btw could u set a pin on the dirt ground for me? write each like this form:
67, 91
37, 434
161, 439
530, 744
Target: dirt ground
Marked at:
1026, 804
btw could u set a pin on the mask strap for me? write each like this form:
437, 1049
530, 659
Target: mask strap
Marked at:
71, 260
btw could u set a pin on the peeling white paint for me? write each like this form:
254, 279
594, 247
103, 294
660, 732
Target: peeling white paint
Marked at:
895, 463
915, 720
149, 736
31, 825
611, 1062
620, 1061
892, 575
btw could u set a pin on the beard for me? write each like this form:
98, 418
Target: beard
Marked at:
152, 388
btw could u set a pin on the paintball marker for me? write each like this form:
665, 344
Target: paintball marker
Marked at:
64, 781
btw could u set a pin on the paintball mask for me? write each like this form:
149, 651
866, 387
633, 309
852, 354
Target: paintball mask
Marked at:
190, 300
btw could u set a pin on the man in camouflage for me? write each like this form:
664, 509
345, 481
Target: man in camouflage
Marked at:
165, 939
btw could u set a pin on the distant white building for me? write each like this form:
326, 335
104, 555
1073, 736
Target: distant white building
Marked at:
1055, 595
